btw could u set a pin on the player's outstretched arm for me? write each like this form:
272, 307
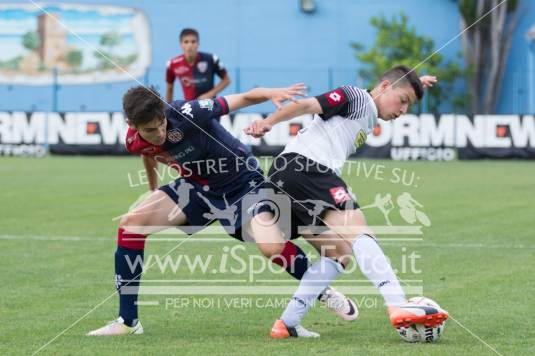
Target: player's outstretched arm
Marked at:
151, 167
428, 80
259, 95
301, 107
169, 92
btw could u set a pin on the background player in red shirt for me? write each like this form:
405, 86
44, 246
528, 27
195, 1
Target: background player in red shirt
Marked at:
195, 70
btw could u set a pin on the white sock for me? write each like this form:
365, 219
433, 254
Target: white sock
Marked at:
314, 281
374, 265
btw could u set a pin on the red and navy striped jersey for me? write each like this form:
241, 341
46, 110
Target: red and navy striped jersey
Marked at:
197, 145
196, 78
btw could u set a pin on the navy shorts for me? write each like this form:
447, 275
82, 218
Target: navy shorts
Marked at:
232, 205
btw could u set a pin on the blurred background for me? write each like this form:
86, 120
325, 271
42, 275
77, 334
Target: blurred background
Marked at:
64, 67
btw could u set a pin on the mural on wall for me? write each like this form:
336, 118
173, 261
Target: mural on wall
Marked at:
73, 40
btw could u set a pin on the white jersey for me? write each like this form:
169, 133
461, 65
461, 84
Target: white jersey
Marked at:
349, 115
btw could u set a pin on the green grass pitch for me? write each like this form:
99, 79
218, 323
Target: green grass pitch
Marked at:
57, 241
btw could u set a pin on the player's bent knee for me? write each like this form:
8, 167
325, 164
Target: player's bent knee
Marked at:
134, 224
129, 222
343, 261
332, 253
125, 221
130, 240
348, 224
270, 250
338, 251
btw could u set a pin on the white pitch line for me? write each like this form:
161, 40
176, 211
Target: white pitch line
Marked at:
251, 290
419, 242
53, 238
148, 303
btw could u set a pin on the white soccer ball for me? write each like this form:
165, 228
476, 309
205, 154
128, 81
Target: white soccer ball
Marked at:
424, 301
419, 332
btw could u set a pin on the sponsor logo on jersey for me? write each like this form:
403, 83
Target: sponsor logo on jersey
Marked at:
186, 110
164, 157
207, 104
339, 195
186, 81
202, 66
184, 153
181, 70
174, 135
361, 138
336, 97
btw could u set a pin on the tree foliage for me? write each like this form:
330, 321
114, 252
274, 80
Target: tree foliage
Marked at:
110, 39
74, 58
397, 42
487, 30
30, 40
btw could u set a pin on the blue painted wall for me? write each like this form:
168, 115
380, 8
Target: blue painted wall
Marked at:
272, 43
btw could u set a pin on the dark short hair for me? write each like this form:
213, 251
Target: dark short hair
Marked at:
189, 31
403, 75
142, 104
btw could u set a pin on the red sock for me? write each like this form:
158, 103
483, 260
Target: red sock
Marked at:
129, 240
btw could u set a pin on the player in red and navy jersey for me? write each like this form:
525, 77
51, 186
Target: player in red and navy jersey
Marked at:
195, 70
217, 173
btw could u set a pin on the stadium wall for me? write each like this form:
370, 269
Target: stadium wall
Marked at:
410, 137
268, 43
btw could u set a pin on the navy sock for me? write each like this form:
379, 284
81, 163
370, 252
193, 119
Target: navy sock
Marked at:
293, 259
128, 268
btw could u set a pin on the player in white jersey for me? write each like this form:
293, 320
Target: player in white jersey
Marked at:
308, 171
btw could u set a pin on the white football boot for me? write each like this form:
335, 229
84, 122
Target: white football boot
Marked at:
343, 306
117, 327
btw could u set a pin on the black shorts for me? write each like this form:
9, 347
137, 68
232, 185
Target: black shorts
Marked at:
313, 189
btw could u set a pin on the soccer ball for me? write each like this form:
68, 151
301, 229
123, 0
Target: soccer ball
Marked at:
419, 332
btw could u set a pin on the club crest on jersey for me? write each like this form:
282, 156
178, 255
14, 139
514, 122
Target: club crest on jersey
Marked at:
207, 104
361, 138
174, 135
202, 66
339, 195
